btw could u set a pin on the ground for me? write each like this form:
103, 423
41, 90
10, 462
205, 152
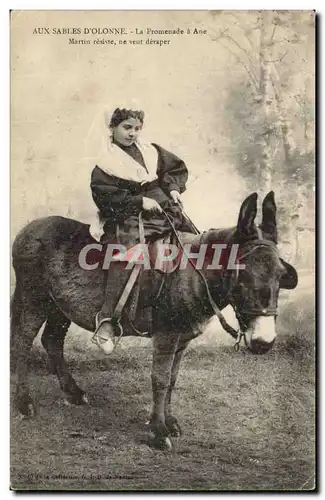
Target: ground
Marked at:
248, 424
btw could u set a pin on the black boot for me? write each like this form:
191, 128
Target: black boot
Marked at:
108, 331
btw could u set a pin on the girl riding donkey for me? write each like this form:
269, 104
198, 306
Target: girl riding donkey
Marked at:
133, 177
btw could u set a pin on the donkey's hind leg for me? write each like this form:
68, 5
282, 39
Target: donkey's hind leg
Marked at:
53, 337
27, 315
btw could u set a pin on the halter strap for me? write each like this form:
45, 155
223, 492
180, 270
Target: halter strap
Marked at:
236, 334
257, 243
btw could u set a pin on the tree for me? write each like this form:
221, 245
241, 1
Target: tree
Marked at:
270, 108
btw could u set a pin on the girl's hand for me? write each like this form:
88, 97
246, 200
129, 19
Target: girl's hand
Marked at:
150, 205
176, 197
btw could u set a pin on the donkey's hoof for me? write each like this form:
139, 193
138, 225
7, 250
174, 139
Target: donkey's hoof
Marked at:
77, 399
173, 427
28, 413
25, 407
31, 412
84, 399
162, 443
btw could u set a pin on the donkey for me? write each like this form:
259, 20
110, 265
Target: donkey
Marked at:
51, 287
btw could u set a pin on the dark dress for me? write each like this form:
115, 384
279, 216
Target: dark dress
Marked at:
120, 201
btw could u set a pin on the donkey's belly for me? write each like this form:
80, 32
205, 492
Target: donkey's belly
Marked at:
80, 294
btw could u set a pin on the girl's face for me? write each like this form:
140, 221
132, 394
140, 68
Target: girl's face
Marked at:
126, 132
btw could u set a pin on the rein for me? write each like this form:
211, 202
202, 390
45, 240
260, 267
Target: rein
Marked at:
238, 335
229, 329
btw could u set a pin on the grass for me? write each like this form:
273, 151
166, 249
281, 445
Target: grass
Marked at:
248, 421
248, 424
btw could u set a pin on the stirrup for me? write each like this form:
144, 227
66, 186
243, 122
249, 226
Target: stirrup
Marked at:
115, 324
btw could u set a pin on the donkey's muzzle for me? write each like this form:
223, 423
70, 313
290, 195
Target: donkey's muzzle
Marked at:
261, 334
260, 346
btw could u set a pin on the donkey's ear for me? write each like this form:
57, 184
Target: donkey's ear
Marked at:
289, 280
268, 224
247, 215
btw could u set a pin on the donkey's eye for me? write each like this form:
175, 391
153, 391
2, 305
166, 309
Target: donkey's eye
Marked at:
280, 272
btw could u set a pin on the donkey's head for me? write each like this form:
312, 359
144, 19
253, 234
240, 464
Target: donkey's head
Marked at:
255, 286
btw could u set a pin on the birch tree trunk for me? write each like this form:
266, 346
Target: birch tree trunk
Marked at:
266, 100
289, 144
294, 195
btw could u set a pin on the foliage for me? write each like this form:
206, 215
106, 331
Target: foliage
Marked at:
297, 323
269, 113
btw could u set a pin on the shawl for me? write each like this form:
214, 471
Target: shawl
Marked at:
118, 163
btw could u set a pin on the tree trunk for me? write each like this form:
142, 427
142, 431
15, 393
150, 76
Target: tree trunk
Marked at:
286, 130
295, 198
266, 101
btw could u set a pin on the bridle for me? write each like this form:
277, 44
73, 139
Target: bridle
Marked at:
257, 244
252, 312
239, 334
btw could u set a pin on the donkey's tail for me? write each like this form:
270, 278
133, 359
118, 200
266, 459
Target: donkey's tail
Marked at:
15, 317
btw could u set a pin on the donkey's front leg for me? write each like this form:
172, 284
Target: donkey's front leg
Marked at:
164, 348
171, 421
